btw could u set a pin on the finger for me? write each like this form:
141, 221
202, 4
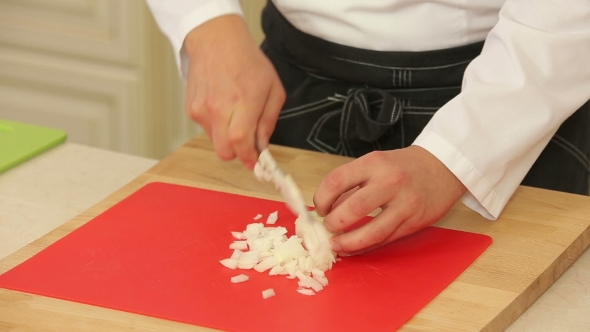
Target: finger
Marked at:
241, 133
373, 234
202, 119
337, 182
357, 206
268, 119
407, 227
362, 251
220, 121
194, 106
343, 197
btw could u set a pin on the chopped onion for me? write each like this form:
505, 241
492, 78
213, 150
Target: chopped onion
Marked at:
260, 244
305, 291
268, 293
238, 235
316, 240
268, 248
309, 282
322, 280
230, 263
262, 173
248, 260
272, 218
301, 263
239, 278
265, 254
277, 269
266, 264
236, 254
240, 245
317, 272
300, 275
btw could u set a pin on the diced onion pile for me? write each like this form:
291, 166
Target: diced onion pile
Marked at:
267, 248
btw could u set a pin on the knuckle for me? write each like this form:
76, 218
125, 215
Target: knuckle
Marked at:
196, 117
359, 206
413, 201
226, 154
237, 136
281, 95
330, 224
334, 180
399, 177
319, 205
194, 110
375, 157
378, 234
212, 105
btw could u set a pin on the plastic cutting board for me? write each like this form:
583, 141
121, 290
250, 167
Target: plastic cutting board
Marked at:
157, 253
20, 142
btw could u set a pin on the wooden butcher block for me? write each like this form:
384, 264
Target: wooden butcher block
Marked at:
537, 237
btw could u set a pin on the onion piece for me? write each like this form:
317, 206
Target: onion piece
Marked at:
265, 254
239, 278
305, 291
267, 293
238, 235
260, 244
262, 173
272, 218
266, 264
322, 280
240, 245
300, 275
230, 263
248, 260
318, 272
277, 269
258, 216
310, 283
236, 254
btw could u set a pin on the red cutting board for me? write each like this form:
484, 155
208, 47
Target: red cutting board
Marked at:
157, 253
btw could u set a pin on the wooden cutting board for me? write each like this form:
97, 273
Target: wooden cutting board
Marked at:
537, 237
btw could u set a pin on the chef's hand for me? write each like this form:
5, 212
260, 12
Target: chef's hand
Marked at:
411, 186
233, 90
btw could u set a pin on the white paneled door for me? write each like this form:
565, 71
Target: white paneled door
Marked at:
99, 69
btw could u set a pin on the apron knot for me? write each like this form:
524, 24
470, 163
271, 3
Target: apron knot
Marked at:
373, 112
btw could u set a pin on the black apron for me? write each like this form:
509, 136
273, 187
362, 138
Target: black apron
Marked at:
349, 101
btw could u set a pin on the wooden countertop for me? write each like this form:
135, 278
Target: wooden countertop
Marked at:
537, 237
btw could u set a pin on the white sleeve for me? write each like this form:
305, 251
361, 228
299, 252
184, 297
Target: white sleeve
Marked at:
176, 18
533, 73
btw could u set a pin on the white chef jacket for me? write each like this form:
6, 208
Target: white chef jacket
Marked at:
533, 72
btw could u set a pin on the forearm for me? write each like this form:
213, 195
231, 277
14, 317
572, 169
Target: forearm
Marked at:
532, 74
176, 18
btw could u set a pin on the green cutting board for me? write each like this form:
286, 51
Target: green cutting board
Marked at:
20, 142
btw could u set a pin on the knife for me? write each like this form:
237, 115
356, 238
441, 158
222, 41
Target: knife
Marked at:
307, 226
267, 169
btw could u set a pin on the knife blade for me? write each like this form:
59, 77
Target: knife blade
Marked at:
307, 226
